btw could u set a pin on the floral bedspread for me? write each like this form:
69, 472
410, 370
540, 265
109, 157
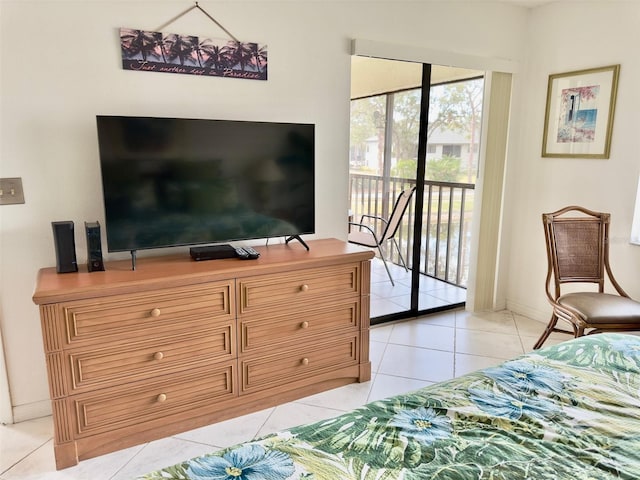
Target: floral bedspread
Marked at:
569, 411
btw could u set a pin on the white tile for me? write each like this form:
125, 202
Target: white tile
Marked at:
386, 290
532, 328
554, 339
230, 432
428, 284
501, 322
20, 439
444, 319
380, 333
488, 344
388, 385
449, 293
417, 363
380, 307
379, 276
470, 363
425, 301
423, 335
160, 454
527, 326
293, 414
376, 351
40, 465
343, 398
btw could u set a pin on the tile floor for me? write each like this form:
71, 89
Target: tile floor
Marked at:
387, 299
405, 355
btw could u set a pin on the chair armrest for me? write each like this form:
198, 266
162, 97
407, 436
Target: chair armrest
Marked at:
375, 217
362, 225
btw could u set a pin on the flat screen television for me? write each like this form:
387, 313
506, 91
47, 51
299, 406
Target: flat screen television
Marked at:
176, 181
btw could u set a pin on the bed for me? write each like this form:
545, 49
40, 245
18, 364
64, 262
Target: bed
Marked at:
568, 411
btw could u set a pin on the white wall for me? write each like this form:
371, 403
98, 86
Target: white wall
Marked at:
61, 66
598, 34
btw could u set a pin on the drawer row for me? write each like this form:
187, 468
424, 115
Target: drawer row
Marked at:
205, 385
122, 319
95, 367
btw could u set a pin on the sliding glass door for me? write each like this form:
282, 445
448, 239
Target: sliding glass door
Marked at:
395, 146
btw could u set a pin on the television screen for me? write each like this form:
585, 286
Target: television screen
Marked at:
169, 181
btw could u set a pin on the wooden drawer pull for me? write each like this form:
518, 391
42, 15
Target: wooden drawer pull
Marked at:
161, 398
304, 325
304, 287
158, 356
304, 361
155, 312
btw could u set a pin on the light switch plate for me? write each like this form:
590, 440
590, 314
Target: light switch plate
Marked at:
11, 191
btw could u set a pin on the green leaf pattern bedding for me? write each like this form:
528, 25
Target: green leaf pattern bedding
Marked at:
569, 411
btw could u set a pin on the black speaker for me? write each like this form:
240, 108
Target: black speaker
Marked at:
65, 245
94, 247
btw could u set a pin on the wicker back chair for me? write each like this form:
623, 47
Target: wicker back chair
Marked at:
374, 236
578, 252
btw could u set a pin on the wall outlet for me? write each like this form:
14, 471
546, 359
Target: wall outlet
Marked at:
11, 191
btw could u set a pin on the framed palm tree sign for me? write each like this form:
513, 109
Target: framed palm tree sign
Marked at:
150, 51
579, 116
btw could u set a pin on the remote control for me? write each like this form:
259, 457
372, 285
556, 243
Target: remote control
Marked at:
253, 254
242, 253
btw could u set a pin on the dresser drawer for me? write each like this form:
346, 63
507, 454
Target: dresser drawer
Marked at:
261, 292
261, 372
141, 316
98, 368
136, 403
298, 326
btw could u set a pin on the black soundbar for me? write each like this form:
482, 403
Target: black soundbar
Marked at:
212, 252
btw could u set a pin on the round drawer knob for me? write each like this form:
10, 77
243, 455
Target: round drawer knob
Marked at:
161, 398
304, 325
304, 361
304, 288
155, 312
158, 356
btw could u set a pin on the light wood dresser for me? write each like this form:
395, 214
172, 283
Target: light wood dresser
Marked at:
134, 356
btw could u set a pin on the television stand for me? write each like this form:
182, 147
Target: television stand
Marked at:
297, 237
133, 357
133, 259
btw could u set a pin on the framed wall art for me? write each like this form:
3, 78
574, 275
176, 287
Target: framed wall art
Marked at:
579, 116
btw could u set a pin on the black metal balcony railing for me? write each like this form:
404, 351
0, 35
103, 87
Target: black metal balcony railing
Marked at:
446, 222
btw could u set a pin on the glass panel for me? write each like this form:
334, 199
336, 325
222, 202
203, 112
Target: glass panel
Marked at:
367, 135
455, 117
383, 161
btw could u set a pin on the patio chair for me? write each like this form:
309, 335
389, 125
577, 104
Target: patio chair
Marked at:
366, 236
578, 253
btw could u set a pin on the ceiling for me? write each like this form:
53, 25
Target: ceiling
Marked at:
372, 76
526, 3
521, 3
531, 3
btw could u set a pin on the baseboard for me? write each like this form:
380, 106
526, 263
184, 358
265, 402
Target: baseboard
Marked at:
528, 311
30, 411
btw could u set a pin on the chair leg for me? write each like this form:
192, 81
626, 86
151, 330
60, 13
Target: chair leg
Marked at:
400, 254
385, 265
547, 331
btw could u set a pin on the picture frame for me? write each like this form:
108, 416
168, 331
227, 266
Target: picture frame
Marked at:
578, 120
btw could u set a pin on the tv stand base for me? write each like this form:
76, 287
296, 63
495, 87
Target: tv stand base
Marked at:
297, 237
